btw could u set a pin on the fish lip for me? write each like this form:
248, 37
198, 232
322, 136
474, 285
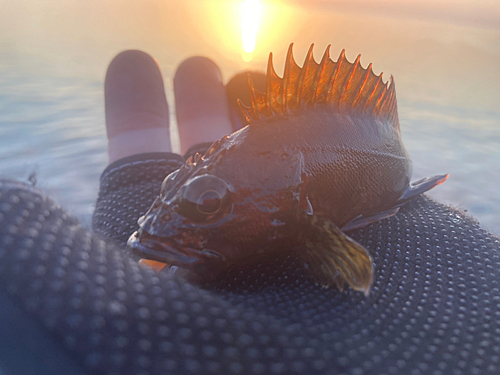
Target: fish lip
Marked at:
153, 247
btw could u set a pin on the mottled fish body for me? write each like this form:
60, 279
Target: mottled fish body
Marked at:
322, 151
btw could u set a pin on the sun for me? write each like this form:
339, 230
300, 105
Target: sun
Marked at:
250, 17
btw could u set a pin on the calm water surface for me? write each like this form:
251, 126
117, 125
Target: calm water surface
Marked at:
53, 61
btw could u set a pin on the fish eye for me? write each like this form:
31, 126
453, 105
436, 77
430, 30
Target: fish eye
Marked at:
209, 202
203, 197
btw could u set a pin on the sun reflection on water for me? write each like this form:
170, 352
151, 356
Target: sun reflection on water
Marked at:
251, 11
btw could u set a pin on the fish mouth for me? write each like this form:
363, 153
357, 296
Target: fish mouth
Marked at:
157, 248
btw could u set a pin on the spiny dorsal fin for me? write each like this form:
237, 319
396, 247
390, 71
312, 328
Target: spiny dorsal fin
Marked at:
343, 86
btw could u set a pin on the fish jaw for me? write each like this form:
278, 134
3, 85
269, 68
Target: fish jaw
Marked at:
165, 236
205, 263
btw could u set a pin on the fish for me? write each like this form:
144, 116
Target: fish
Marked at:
322, 155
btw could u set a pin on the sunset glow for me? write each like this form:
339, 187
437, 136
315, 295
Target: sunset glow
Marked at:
250, 18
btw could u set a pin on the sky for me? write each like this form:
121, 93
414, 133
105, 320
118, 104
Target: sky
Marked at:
441, 51
479, 13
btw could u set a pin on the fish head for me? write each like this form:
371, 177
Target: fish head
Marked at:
221, 208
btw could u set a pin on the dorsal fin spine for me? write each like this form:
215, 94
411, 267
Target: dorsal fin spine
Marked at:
253, 99
287, 77
384, 99
372, 94
284, 83
394, 107
348, 80
273, 90
388, 105
303, 73
362, 85
245, 110
343, 86
335, 74
270, 76
383, 95
320, 72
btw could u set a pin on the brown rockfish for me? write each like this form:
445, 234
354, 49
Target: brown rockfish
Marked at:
322, 154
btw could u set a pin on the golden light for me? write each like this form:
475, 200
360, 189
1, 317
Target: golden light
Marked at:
251, 11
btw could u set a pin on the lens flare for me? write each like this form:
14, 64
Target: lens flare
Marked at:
250, 17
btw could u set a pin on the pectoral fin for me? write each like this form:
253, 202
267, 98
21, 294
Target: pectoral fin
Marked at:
335, 258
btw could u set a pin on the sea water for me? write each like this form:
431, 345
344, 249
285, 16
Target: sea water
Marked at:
53, 63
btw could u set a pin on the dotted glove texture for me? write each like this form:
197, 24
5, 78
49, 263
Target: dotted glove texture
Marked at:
434, 307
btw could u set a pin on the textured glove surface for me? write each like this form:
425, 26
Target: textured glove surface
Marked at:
434, 306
